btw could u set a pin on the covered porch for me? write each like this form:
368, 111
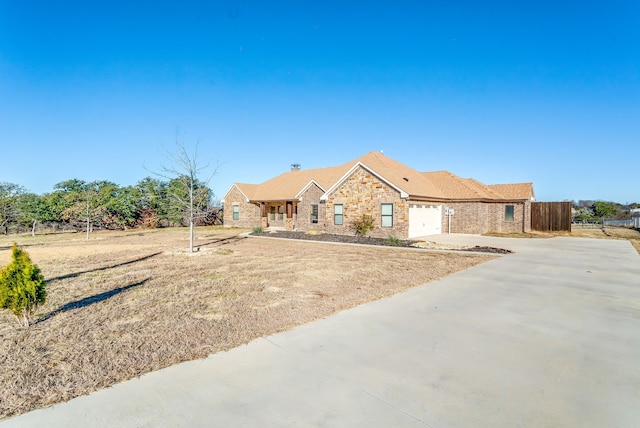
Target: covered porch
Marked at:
278, 214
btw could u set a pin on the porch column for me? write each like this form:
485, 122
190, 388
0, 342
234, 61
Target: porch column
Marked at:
263, 215
288, 223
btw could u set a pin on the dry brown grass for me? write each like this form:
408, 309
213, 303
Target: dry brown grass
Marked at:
631, 235
127, 303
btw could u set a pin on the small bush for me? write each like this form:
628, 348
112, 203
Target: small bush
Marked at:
393, 241
257, 229
21, 286
363, 225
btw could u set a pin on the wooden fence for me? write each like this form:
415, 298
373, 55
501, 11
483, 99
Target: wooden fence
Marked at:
551, 216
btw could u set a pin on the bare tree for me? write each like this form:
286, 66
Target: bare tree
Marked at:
189, 195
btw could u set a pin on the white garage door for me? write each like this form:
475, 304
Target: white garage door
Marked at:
424, 220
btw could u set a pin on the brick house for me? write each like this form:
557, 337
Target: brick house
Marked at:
403, 202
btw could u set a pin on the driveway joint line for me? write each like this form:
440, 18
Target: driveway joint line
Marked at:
274, 344
396, 408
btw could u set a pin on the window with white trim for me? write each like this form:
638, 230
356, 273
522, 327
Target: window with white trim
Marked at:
387, 215
338, 214
236, 212
314, 213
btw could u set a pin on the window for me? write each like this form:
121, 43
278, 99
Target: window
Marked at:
236, 212
508, 213
338, 214
387, 215
314, 213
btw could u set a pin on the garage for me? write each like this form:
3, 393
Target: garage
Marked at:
424, 220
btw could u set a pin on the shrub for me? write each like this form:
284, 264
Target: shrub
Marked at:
363, 225
393, 241
257, 229
22, 287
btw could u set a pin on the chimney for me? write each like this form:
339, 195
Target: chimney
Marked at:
295, 167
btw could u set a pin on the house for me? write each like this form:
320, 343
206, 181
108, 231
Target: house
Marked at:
403, 202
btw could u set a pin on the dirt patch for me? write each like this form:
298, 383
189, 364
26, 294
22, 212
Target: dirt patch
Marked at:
124, 304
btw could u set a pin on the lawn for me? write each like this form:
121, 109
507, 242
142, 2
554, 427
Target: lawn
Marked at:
127, 303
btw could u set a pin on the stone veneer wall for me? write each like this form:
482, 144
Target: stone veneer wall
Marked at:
249, 213
364, 193
483, 217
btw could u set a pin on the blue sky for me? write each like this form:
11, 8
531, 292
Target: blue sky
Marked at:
547, 92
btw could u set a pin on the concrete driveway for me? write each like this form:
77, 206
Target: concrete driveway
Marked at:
546, 337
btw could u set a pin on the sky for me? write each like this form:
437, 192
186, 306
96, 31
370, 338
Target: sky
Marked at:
545, 92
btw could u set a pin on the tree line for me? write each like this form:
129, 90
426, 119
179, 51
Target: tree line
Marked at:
80, 205
589, 210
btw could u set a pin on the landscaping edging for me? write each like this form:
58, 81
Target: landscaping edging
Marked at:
368, 240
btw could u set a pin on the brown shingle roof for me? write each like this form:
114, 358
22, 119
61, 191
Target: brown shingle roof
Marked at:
442, 185
514, 190
484, 189
286, 186
454, 187
247, 189
412, 182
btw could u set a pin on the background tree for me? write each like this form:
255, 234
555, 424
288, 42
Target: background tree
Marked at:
583, 214
32, 209
603, 209
98, 204
123, 207
22, 287
111, 206
78, 197
54, 204
67, 199
9, 195
151, 195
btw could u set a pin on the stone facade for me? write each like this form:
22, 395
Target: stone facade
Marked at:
249, 215
364, 193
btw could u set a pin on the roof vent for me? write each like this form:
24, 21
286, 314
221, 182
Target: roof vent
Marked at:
405, 179
295, 167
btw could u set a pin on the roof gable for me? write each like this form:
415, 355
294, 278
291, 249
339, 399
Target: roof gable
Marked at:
305, 188
348, 174
410, 181
245, 189
290, 185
